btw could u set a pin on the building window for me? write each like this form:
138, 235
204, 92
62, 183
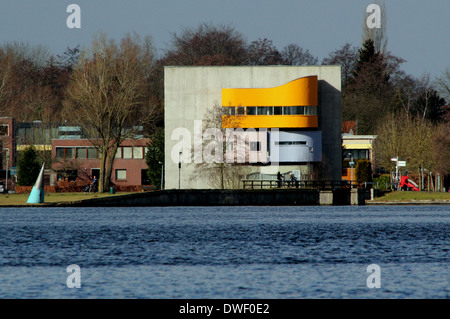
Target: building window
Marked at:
251, 110
241, 110
119, 152
127, 152
138, 152
65, 152
82, 152
4, 130
284, 143
121, 174
255, 146
92, 153
229, 110
264, 110
70, 152
59, 152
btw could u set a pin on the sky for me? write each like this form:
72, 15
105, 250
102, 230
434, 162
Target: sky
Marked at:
417, 30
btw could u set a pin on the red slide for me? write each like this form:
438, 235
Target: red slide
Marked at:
406, 184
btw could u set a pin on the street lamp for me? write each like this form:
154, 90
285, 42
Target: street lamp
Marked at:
179, 170
162, 175
351, 169
7, 164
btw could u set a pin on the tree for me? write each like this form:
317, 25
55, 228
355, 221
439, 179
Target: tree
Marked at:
368, 94
222, 151
346, 57
443, 84
108, 95
207, 45
263, 52
155, 158
293, 54
429, 106
28, 167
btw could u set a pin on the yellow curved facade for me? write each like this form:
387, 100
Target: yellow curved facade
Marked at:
299, 92
270, 121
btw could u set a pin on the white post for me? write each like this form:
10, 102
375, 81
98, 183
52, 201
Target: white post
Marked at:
7, 164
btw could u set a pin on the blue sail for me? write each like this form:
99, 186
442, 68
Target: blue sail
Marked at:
37, 193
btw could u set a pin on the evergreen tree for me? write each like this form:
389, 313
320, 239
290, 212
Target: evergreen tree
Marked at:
155, 158
28, 167
429, 106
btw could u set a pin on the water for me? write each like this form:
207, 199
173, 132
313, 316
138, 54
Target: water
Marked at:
225, 252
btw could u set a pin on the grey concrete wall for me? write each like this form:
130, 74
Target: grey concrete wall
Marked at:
209, 197
191, 91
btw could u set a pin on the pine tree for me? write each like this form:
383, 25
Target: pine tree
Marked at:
155, 158
28, 167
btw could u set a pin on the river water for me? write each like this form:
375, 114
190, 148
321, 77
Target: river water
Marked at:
225, 252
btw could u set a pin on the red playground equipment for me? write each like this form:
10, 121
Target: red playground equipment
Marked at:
407, 184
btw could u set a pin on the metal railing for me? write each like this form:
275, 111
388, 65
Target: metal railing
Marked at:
266, 183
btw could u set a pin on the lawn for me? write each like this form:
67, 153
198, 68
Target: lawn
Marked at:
414, 196
21, 199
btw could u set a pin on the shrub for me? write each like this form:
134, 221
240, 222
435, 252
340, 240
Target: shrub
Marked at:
363, 171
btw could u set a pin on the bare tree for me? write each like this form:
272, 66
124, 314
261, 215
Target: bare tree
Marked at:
293, 54
346, 57
222, 155
108, 97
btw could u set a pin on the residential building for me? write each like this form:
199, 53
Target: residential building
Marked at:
78, 159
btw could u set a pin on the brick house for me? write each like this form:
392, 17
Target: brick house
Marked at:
79, 160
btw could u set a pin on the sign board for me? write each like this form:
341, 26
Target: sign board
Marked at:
352, 163
13, 170
401, 163
394, 159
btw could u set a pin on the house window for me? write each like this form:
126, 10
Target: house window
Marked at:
255, 146
4, 131
138, 152
121, 174
127, 152
92, 153
119, 153
59, 152
70, 152
82, 152
65, 152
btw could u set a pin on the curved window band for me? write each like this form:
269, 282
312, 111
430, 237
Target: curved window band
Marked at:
270, 110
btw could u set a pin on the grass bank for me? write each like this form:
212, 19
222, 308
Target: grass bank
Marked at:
412, 196
21, 199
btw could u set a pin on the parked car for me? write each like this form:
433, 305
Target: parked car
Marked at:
2, 187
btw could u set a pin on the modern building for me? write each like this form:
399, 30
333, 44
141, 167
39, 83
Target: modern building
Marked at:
289, 118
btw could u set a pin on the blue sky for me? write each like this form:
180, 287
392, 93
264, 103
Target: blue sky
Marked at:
418, 30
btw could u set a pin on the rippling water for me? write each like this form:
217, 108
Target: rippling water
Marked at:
225, 252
